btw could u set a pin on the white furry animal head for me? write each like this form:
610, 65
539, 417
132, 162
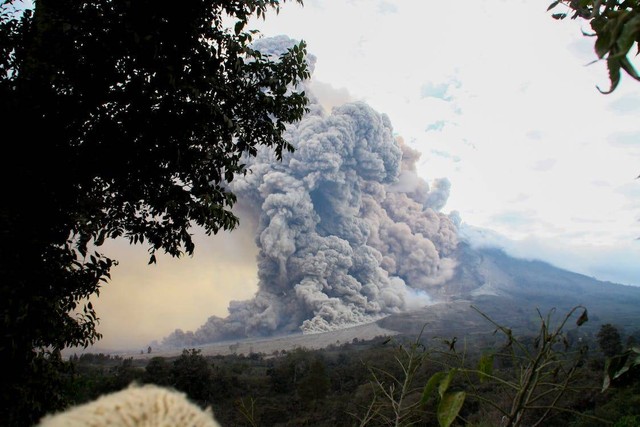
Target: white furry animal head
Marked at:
136, 406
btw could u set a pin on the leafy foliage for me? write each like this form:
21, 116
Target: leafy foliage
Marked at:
616, 27
527, 390
395, 391
242, 389
192, 373
622, 366
545, 371
449, 407
609, 340
132, 117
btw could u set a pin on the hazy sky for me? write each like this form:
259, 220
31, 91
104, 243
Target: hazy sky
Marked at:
498, 98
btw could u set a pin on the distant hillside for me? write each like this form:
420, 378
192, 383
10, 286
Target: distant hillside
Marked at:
510, 290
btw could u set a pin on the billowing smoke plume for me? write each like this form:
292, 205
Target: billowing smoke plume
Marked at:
347, 231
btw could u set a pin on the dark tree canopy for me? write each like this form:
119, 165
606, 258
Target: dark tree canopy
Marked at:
609, 340
616, 29
128, 119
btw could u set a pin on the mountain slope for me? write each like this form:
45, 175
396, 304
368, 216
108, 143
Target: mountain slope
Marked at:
510, 290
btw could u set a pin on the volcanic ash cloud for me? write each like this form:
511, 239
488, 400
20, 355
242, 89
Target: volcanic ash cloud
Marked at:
347, 231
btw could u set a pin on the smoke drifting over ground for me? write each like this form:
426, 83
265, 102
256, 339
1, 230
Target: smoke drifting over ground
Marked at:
347, 231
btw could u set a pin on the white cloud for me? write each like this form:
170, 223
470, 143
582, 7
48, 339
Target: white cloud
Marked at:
498, 97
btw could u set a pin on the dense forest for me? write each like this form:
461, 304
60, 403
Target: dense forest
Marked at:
387, 381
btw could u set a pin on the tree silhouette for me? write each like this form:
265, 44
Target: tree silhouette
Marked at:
314, 385
609, 340
193, 374
130, 119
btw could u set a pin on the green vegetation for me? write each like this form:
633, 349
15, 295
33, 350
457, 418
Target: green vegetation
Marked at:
553, 378
616, 28
609, 340
132, 118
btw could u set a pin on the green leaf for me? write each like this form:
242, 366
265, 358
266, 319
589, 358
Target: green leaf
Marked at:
238, 27
602, 44
613, 64
446, 381
449, 408
613, 367
430, 386
584, 317
485, 366
552, 5
99, 240
628, 67
609, 32
628, 35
